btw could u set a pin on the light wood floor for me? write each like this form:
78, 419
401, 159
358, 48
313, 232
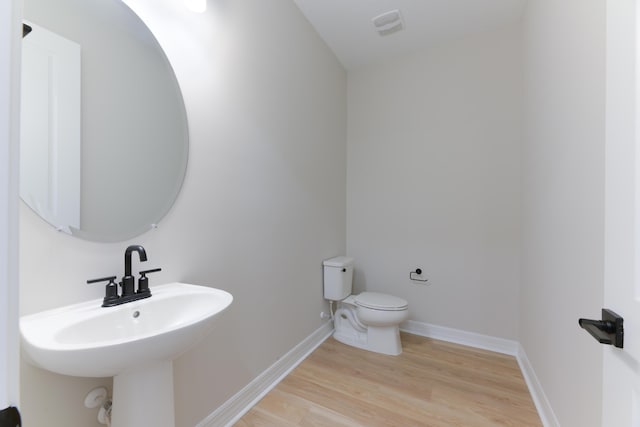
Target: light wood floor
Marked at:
432, 383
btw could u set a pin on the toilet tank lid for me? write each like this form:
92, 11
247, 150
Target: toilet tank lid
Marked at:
339, 261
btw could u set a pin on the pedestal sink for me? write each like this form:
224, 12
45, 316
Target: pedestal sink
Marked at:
135, 343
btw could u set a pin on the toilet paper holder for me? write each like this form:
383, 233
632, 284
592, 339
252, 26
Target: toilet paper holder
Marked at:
418, 272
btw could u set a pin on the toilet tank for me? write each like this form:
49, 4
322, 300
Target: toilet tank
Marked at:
338, 276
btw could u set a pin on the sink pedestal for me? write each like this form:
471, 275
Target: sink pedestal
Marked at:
143, 396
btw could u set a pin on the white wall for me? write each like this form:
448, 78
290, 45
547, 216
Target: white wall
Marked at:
262, 205
563, 196
433, 181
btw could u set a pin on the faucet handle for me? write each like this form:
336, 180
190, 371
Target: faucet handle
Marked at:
143, 281
110, 290
103, 279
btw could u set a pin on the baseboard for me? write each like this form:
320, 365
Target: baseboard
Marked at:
547, 416
233, 409
457, 336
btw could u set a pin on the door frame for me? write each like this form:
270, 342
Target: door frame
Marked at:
10, 42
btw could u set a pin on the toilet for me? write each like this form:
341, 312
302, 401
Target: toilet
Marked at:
369, 320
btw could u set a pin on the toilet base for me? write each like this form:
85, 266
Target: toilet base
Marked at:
385, 340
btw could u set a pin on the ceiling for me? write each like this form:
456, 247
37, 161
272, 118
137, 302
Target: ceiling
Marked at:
346, 25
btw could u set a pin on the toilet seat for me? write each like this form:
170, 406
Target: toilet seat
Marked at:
382, 302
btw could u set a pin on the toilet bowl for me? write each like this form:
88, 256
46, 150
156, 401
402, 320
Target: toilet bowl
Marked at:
369, 320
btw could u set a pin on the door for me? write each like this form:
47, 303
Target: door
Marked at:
621, 367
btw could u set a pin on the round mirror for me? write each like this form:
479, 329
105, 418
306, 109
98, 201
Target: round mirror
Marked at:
104, 137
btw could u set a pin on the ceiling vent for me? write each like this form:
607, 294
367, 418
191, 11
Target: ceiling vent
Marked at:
388, 22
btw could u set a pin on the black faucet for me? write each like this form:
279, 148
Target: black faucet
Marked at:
128, 281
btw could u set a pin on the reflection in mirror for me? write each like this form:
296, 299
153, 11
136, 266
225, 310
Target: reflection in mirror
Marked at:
50, 134
104, 141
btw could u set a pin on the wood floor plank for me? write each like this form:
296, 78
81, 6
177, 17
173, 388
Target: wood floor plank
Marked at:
431, 384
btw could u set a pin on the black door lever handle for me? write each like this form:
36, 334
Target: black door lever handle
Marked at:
603, 325
10, 417
609, 330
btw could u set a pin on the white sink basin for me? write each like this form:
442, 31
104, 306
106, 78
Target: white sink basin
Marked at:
92, 341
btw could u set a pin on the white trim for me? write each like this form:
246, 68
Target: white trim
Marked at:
457, 336
10, 12
233, 409
547, 416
